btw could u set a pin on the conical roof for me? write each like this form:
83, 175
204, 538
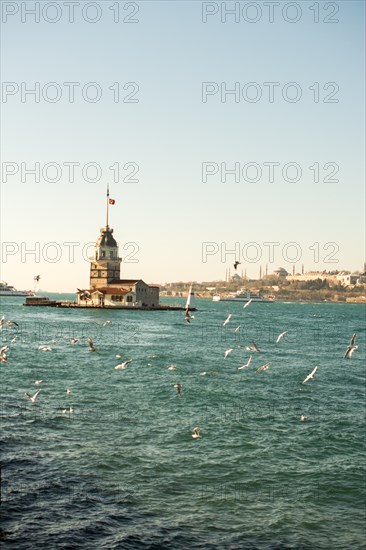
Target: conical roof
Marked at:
106, 238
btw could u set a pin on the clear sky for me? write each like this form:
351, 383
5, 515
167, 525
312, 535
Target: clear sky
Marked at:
172, 128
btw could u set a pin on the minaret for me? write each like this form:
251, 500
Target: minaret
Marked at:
105, 265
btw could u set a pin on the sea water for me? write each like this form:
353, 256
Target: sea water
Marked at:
123, 471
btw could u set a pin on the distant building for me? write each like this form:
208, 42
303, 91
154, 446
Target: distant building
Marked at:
312, 276
280, 272
348, 279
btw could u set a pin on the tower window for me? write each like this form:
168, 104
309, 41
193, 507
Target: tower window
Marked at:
111, 254
103, 254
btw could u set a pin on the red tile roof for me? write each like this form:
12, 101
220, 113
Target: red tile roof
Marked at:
126, 281
111, 290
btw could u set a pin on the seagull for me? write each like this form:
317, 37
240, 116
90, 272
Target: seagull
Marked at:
107, 323
187, 316
75, 340
14, 340
237, 328
33, 397
196, 433
45, 348
264, 367
3, 358
227, 352
172, 367
246, 364
68, 391
280, 336
311, 375
203, 373
91, 344
117, 356
227, 320
123, 365
84, 294
236, 263
178, 387
38, 382
4, 349
303, 418
254, 347
248, 303
9, 323
351, 348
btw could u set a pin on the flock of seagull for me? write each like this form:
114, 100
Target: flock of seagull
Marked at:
254, 348
351, 348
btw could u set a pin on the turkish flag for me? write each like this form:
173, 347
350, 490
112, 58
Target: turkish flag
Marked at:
111, 201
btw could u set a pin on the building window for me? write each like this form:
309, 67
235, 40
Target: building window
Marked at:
103, 254
129, 299
111, 254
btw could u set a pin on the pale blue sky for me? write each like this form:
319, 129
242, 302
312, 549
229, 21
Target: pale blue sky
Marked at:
169, 133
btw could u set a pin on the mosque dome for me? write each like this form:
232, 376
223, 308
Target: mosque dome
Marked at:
280, 272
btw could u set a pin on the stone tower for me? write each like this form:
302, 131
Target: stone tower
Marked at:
105, 265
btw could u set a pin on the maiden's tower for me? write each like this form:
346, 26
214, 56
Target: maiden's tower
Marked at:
106, 288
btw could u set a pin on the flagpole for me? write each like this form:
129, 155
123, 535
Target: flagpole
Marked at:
107, 203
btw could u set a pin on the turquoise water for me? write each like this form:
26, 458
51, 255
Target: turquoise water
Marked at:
123, 470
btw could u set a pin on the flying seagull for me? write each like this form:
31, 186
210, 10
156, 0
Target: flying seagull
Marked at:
227, 320
237, 328
37, 382
236, 263
351, 348
84, 294
227, 352
264, 367
188, 316
33, 397
196, 433
178, 387
9, 323
248, 303
246, 364
254, 347
280, 336
45, 348
303, 418
91, 344
107, 323
311, 375
123, 365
